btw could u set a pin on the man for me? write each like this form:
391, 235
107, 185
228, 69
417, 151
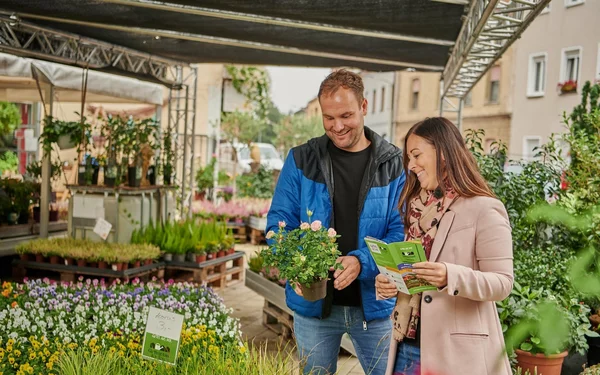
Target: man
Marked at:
350, 178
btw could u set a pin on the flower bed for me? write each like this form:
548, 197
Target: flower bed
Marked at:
39, 320
82, 252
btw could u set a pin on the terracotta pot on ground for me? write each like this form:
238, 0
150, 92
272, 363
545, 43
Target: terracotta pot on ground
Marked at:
81, 262
316, 291
200, 258
546, 365
220, 254
39, 258
24, 257
102, 265
54, 259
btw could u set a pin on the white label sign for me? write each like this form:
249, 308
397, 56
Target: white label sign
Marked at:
163, 332
102, 228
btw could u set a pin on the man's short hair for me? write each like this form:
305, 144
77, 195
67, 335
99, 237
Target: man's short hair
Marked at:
343, 78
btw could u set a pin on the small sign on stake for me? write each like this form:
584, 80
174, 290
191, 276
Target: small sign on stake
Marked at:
102, 228
162, 336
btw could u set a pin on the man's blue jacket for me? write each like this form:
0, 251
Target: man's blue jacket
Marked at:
306, 182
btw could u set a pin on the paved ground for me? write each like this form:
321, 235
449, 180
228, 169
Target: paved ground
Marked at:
247, 307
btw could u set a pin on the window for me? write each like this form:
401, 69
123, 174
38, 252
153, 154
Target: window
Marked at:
572, 3
536, 78
546, 9
468, 100
382, 99
494, 85
571, 64
374, 101
415, 89
530, 145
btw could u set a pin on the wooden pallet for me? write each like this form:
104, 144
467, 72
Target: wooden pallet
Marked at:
257, 237
218, 273
71, 273
278, 321
239, 232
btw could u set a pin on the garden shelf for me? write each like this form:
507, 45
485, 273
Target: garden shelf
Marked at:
276, 307
214, 273
239, 232
69, 273
14, 235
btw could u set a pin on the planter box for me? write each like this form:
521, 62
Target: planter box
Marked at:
275, 294
259, 223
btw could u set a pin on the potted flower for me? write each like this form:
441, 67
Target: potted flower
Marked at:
567, 86
304, 256
200, 253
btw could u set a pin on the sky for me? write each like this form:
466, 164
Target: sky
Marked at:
292, 88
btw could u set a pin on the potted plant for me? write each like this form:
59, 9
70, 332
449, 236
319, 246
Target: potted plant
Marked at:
66, 134
200, 253
304, 256
542, 328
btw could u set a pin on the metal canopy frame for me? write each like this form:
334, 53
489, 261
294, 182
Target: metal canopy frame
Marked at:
489, 30
26, 39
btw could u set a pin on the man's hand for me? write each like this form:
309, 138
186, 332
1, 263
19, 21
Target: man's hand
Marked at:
348, 274
433, 272
384, 287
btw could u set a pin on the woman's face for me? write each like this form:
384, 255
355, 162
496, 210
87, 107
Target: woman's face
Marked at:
422, 161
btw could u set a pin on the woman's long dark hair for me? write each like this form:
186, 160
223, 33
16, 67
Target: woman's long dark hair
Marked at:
461, 168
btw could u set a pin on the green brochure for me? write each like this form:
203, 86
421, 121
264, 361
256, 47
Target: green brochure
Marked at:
161, 339
395, 261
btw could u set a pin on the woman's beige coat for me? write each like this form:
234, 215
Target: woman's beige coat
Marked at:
460, 329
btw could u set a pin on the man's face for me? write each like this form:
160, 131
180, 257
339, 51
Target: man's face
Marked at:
343, 118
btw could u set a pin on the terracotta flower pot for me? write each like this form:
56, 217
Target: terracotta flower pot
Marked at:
230, 251
316, 291
125, 266
69, 261
546, 365
24, 257
147, 262
102, 265
220, 254
210, 256
117, 266
93, 264
54, 259
200, 258
137, 264
39, 258
81, 262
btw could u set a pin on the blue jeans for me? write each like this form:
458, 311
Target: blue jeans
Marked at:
408, 360
318, 340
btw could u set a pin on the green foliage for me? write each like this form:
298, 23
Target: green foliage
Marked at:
242, 127
256, 185
256, 263
539, 262
34, 169
593, 370
10, 118
204, 176
8, 162
303, 255
54, 128
17, 197
253, 83
296, 130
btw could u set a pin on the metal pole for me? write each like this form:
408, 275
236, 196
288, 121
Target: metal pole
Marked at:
442, 98
194, 98
217, 143
46, 162
185, 147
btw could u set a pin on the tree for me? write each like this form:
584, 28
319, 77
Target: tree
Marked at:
296, 130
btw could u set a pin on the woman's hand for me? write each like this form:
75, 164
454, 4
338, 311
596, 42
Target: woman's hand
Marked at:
384, 287
433, 272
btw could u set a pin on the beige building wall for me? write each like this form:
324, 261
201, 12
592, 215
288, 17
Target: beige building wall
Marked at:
555, 31
493, 117
313, 108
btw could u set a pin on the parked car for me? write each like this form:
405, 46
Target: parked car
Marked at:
269, 157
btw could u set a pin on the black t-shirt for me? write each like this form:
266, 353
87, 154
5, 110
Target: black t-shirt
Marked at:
348, 172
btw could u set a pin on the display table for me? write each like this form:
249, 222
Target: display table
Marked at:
217, 273
125, 208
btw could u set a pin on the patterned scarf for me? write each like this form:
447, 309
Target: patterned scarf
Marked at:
426, 211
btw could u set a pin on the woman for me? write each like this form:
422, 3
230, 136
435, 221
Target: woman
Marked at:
464, 229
